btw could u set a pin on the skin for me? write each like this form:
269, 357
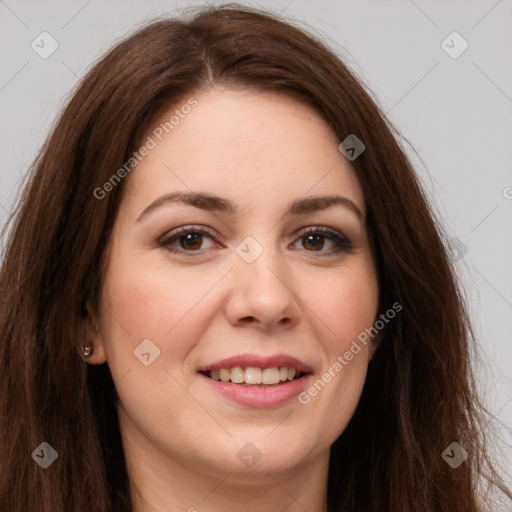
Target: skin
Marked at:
181, 438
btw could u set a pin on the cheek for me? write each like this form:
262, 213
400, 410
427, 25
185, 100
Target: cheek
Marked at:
147, 301
142, 303
344, 312
151, 302
341, 311
344, 307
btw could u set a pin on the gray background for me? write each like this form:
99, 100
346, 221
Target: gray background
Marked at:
455, 112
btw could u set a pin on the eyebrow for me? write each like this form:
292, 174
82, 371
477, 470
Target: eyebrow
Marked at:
212, 202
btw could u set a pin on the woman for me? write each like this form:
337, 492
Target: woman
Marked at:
224, 288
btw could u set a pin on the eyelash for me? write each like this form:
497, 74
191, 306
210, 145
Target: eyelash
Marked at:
342, 242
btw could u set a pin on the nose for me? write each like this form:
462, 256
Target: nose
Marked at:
262, 294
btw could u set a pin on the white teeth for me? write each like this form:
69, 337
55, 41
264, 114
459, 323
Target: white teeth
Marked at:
270, 375
255, 376
237, 375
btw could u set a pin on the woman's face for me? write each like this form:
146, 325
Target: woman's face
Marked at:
266, 275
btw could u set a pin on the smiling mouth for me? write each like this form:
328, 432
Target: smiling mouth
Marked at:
255, 377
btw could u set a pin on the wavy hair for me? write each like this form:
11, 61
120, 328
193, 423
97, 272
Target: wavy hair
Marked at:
420, 394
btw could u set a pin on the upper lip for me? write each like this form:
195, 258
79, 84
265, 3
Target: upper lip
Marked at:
254, 360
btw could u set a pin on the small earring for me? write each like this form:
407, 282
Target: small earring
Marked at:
86, 350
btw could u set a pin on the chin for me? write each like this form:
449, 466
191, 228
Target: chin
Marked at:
265, 451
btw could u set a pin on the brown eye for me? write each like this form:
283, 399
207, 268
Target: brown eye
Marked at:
314, 239
189, 239
315, 242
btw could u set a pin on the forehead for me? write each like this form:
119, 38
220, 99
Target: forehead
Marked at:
260, 146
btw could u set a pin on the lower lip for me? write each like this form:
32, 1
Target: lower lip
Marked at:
259, 397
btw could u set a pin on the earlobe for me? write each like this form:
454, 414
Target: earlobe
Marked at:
86, 350
92, 349
92, 353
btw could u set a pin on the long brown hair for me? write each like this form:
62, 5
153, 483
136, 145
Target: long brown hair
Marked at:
420, 395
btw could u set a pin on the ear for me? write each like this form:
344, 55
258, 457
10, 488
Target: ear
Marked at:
95, 338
